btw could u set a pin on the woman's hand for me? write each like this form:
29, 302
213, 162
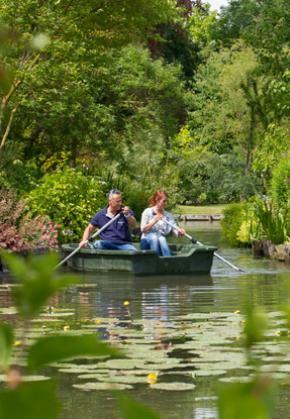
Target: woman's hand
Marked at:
181, 232
158, 217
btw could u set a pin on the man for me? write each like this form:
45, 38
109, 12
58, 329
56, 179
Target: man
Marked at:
117, 235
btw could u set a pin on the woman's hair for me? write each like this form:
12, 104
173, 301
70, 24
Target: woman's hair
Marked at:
157, 196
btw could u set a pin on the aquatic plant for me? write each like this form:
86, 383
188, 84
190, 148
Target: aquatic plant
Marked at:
271, 221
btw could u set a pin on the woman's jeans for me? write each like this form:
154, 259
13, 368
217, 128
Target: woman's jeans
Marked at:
107, 245
157, 243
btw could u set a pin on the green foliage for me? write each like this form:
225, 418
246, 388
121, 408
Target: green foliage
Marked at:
254, 399
207, 177
255, 326
274, 144
82, 96
69, 198
130, 409
280, 185
57, 348
234, 215
37, 282
30, 401
15, 172
6, 342
272, 221
246, 400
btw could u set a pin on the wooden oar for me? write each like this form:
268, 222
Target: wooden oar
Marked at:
201, 244
92, 236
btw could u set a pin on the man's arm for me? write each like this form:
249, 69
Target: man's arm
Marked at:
87, 234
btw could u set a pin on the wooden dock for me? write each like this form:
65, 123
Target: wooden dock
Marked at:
200, 217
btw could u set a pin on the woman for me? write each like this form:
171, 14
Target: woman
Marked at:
154, 229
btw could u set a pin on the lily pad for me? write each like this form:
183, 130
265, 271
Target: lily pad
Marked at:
102, 386
208, 373
173, 386
8, 310
236, 379
27, 378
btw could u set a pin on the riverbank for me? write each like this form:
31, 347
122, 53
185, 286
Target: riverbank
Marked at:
266, 248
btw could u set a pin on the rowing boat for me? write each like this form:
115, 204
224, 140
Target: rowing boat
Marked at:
185, 259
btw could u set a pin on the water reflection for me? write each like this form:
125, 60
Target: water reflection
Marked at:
153, 313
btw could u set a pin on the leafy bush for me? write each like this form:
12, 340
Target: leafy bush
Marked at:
15, 173
234, 216
68, 198
208, 178
137, 194
280, 185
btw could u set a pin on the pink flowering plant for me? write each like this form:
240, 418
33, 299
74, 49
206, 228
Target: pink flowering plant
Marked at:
19, 231
39, 232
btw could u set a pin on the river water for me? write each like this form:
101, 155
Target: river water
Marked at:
184, 330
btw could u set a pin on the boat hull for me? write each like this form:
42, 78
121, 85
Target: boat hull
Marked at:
186, 259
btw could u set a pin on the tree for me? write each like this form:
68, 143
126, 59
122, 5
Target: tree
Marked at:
51, 88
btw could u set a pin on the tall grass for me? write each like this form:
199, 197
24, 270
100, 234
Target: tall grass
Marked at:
272, 221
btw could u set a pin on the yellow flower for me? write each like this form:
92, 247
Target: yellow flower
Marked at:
152, 378
66, 328
98, 321
126, 303
237, 312
18, 343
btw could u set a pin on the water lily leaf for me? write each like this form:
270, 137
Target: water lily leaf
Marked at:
102, 386
8, 310
209, 373
173, 386
52, 315
244, 379
27, 378
127, 379
121, 364
81, 369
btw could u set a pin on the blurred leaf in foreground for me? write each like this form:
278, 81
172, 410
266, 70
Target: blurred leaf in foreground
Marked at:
56, 348
6, 344
30, 401
131, 409
38, 281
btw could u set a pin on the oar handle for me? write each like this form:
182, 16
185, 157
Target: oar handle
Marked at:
97, 233
201, 244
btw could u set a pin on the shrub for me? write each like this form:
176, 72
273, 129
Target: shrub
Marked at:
39, 232
11, 210
19, 232
68, 198
234, 216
